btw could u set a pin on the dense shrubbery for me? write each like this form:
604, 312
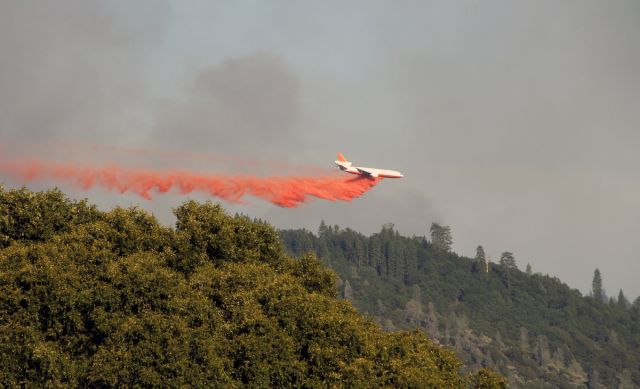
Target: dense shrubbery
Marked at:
90, 298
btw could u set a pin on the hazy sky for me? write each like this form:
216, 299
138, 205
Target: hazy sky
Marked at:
516, 123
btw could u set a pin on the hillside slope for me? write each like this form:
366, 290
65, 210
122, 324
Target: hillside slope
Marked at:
105, 299
530, 327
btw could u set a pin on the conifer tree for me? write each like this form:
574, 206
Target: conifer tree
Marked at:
622, 300
508, 263
441, 237
596, 286
393, 254
410, 265
480, 263
376, 259
635, 308
529, 271
323, 230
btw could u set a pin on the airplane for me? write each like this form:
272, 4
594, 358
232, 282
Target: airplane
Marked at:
348, 167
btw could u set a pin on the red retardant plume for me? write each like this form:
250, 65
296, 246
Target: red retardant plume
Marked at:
283, 191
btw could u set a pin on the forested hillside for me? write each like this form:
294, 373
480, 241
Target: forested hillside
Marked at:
113, 299
530, 327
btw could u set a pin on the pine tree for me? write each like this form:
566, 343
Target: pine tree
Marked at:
508, 264
376, 259
480, 263
441, 237
394, 258
529, 271
323, 230
622, 300
596, 287
508, 261
410, 265
635, 308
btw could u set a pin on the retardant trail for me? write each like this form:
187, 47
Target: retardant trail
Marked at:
283, 191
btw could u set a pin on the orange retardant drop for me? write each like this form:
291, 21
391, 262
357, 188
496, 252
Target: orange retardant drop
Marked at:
286, 191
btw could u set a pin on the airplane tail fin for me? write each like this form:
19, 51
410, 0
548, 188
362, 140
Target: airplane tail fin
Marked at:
341, 158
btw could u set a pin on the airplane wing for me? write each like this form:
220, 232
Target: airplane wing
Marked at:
370, 173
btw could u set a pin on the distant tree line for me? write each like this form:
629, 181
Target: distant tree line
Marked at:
530, 327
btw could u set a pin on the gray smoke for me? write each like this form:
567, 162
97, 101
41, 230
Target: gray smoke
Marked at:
73, 69
243, 105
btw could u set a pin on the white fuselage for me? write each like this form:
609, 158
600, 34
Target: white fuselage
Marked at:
348, 167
